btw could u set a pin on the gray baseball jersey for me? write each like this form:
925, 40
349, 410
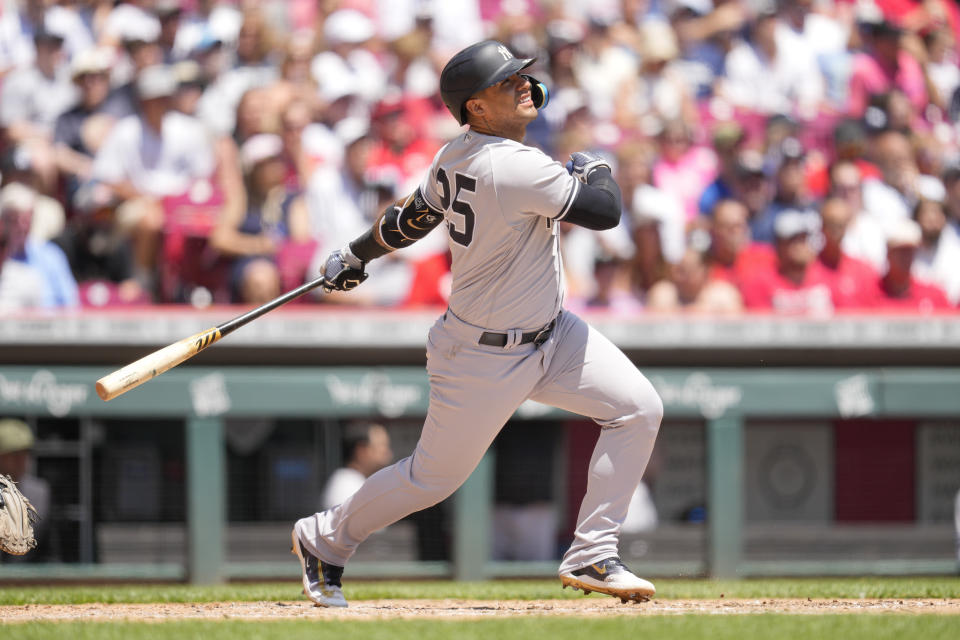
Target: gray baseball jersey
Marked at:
501, 201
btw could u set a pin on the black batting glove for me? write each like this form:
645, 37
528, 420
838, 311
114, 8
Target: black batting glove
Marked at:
343, 271
583, 163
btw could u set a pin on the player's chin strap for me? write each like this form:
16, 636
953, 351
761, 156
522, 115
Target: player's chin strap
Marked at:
538, 92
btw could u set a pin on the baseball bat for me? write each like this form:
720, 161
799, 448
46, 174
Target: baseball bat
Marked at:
151, 365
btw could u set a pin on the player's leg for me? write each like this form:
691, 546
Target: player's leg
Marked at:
589, 375
473, 392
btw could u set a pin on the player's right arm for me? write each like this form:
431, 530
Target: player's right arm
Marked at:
399, 225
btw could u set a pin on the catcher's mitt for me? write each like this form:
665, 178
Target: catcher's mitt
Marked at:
17, 516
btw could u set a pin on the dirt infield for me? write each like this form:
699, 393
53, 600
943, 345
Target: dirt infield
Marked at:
460, 609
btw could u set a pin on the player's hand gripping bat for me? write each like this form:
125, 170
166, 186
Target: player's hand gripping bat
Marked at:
150, 366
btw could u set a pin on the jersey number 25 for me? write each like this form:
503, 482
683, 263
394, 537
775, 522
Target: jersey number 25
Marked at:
462, 219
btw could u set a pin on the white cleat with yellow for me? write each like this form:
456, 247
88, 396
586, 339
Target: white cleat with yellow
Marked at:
611, 577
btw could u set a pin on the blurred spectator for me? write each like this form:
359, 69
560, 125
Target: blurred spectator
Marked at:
891, 198
210, 21
728, 139
897, 289
35, 272
634, 167
730, 252
789, 190
402, 148
683, 168
937, 260
168, 13
133, 32
751, 186
795, 284
771, 71
366, 450
706, 32
689, 289
251, 66
295, 118
602, 68
345, 60
21, 286
658, 92
648, 264
32, 98
16, 461
190, 86
863, 236
295, 82
156, 153
883, 65
849, 278
820, 29
274, 219
951, 183
343, 201
79, 131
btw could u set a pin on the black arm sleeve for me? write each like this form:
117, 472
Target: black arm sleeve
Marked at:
398, 226
597, 205
367, 248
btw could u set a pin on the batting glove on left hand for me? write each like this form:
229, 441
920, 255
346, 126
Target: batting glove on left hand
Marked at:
343, 271
583, 163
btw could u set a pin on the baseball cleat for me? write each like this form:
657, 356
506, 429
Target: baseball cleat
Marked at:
323, 592
611, 577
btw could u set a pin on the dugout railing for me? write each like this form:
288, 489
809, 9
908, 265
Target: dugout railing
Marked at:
724, 398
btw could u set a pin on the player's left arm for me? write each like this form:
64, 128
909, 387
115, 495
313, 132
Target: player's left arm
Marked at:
399, 225
597, 203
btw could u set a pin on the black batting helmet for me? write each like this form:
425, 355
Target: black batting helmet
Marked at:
477, 67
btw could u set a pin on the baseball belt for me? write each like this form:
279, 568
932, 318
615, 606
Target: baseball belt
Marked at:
538, 337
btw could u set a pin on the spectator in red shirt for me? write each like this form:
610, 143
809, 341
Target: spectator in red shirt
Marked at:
795, 284
731, 252
898, 290
402, 149
850, 280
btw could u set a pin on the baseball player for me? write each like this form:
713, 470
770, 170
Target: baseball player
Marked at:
505, 336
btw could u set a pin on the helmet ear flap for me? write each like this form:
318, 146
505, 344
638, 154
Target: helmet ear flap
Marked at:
538, 92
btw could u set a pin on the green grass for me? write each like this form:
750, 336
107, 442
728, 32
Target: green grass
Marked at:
767, 627
869, 587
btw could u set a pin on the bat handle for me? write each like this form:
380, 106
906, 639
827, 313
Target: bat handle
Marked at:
151, 365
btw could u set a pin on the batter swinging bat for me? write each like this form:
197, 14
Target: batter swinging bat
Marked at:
150, 366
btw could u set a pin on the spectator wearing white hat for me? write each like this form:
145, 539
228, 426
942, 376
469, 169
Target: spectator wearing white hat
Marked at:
897, 289
347, 61
155, 153
275, 216
58, 288
75, 137
795, 284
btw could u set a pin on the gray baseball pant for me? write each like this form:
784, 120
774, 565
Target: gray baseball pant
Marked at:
474, 390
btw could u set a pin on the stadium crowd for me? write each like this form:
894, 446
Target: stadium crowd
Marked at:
798, 157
